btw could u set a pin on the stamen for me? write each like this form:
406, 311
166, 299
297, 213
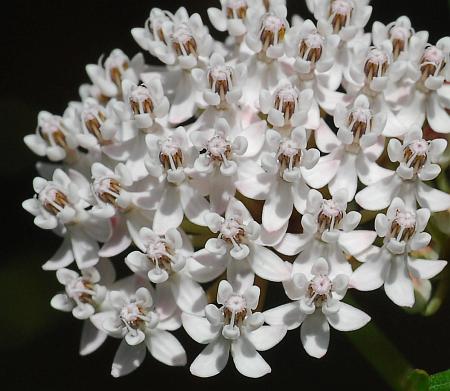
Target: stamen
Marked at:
415, 154
93, 118
340, 14
289, 155
377, 63
286, 100
319, 290
432, 62
235, 310
220, 78
171, 156
329, 216
107, 189
183, 42
272, 31
236, 9
141, 101
311, 47
404, 225
53, 200
50, 131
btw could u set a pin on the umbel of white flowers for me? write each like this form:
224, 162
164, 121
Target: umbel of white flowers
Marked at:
211, 201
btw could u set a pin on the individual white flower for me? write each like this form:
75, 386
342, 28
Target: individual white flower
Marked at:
221, 82
312, 47
115, 199
232, 327
53, 138
170, 160
162, 259
107, 77
219, 161
318, 305
60, 205
266, 39
280, 180
429, 96
353, 151
236, 250
287, 107
143, 324
418, 158
402, 229
329, 232
369, 70
83, 293
234, 16
344, 17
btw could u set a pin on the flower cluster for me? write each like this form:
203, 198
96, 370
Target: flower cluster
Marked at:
253, 157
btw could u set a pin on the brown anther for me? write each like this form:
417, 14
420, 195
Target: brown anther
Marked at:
116, 74
342, 12
59, 199
239, 316
85, 297
319, 300
312, 54
398, 46
58, 137
418, 161
325, 220
359, 127
268, 36
147, 106
113, 192
407, 232
93, 125
286, 106
177, 159
240, 12
287, 162
372, 69
188, 46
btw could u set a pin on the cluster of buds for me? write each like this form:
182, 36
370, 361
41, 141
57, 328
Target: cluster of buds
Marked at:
282, 156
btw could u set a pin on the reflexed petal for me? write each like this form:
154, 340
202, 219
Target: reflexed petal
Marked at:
247, 360
266, 337
348, 318
433, 199
127, 359
288, 315
398, 284
266, 264
315, 334
188, 294
355, 242
425, 269
199, 328
212, 360
91, 338
166, 348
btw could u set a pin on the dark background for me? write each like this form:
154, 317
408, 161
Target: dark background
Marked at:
44, 48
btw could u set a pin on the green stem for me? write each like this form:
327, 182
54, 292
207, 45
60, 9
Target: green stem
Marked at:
380, 352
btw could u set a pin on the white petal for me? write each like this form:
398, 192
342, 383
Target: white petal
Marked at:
379, 195
85, 249
371, 274
278, 206
266, 264
398, 284
292, 244
91, 338
345, 177
315, 334
62, 258
240, 275
166, 348
356, 241
348, 318
127, 359
433, 199
425, 268
169, 213
247, 360
188, 294
266, 337
212, 360
199, 328
288, 315
194, 205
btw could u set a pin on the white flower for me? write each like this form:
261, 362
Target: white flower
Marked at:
53, 138
344, 17
318, 305
353, 150
236, 250
286, 106
329, 232
170, 160
60, 205
417, 159
280, 180
116, 199
107, 77
219, 161
232, 327
162, 259
391, 265
143, 324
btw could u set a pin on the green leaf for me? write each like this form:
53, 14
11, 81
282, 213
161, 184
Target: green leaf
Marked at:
440, 381
417, 380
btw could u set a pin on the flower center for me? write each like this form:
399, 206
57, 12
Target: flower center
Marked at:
81, 290
116, 65
377, 63
289, 155
399, 36
156, 22
160, 254
232, 231
311, 47
141, 100
235, 310
236, 9
218, 149
50, 131
433, 61
171, 156
272, 31
183, 42
415, 154
220, 78
107, 189
53, 200
286, 101
340, 14
93, 118
403, 226
319, 290
133, 315
329, 216
359, 121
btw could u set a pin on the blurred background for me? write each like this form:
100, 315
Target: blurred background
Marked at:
45, 46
